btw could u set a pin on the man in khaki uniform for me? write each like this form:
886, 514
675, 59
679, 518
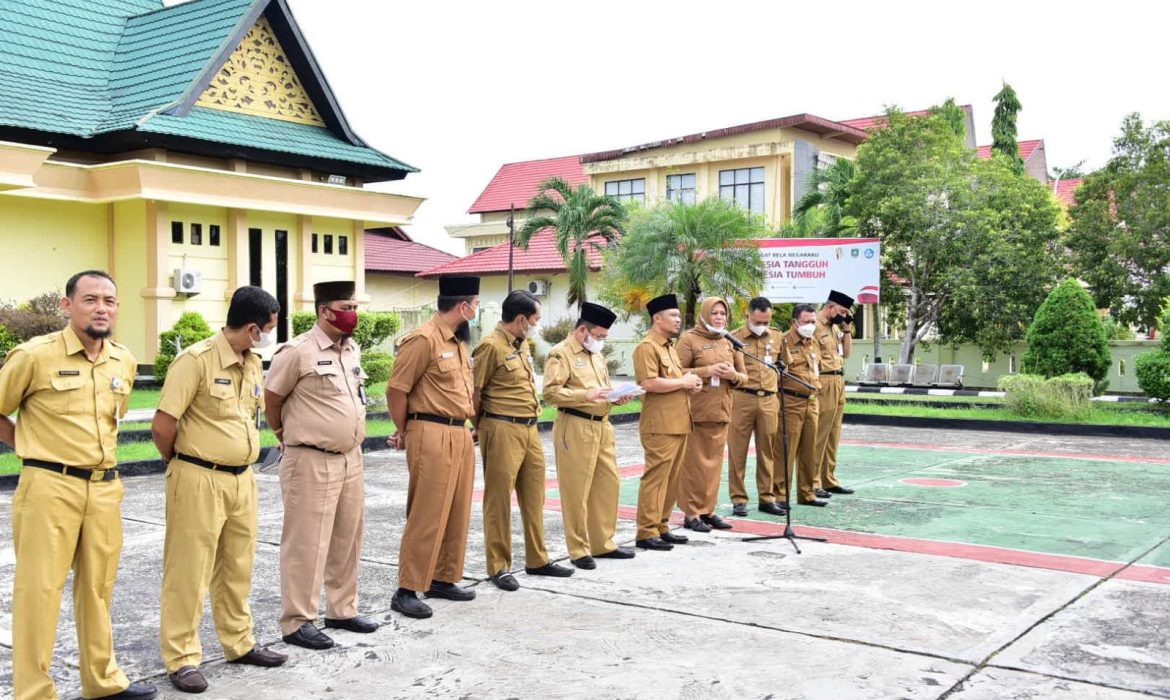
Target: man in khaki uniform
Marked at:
834, 346
799, 353
576, 381
315, 403
664, 425
507, 409
755, 408
70, 387
430, 398
205, 428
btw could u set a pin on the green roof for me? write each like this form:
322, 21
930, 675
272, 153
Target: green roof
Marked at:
94, 68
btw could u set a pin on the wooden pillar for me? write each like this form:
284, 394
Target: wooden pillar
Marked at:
158, 292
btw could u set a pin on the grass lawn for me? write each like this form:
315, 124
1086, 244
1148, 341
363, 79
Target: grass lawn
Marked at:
1108, 414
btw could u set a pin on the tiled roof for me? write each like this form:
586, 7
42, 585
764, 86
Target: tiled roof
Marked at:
1066, 190
515, 183
1027, 148
877, 120
541, 256
387, 254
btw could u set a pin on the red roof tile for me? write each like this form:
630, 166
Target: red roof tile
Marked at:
1066, 190
515, 183
541, 256
386, 254
877, 120
1027, 148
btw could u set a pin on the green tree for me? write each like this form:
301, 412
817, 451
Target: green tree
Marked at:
580, 218
1067, 336
824, 201
188, 330
1153, 368
1119, 236
692, 249
1003, 126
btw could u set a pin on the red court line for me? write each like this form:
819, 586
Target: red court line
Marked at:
1147, 574
1022, 453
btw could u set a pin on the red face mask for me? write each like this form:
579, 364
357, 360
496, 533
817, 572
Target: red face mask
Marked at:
344, 321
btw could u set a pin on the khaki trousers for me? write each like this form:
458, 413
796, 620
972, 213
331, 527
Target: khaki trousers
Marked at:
800, 416
698, 487
589, 484
60, 523
441, 461
759, 415
513, 460
831, 398
210, 545
659, 487
321, 543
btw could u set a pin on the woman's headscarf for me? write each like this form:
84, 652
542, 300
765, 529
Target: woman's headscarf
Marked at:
705, 317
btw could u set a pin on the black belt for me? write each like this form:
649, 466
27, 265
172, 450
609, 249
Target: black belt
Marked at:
319, 449
834, 373
582, 414
432, 418
757, 392
87, 474
797, 394
212, 465
511, 419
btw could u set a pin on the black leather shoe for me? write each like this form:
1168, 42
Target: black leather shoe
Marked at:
261, 657
773, 508
671, 538
655, 543
450, 591
309, 637
585, 562
550, 569
821, 493
696, 524
142, 691
360, 624
841, 490
187, 679
819, 503
739, 510
715, 521
505, 581
619, 553
408, 604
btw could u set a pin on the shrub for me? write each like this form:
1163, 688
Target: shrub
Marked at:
1067, 336
1033, 396
1164, 325
302, 322
8, 340
188, 330
378, 366
1115, 330
38, 316
373, 328
558, 331
1153, 373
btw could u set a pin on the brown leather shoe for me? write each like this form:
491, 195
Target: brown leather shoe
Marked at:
188, 679
261, 657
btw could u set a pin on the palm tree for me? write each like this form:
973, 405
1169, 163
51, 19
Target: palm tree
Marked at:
579, 218
693, 249
828, 190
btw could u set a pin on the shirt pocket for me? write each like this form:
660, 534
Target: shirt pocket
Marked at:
66, 395
513, 364
329, 379
224, 401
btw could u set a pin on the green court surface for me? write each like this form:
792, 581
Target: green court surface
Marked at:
1095, 508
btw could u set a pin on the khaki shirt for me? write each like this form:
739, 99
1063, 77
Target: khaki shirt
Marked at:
697, 352
828, 339
570, 372
322, 383
69, 406
668, 413
216, 400
504, 376
800, 354
434, 370
767, 347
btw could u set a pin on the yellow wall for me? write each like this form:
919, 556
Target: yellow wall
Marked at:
334, 267
389, 291
212, 261
46, 242
129, 270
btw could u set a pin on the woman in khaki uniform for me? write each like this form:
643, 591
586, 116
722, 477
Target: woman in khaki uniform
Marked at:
704, 351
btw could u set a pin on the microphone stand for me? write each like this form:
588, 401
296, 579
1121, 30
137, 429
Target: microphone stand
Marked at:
781, 375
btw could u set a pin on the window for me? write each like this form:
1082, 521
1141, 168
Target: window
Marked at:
627, 190
176, 232
681, 188
329, 244
479, 249
213, 235
343, 245
744, 186
314, 243
196, 234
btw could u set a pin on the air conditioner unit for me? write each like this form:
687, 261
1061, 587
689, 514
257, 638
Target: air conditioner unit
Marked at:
188, 281
538, 288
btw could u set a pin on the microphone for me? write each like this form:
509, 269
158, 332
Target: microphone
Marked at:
735, 342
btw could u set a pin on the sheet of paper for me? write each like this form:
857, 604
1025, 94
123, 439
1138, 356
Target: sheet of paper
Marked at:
624, 389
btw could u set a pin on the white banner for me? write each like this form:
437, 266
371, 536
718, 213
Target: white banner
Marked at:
804, 270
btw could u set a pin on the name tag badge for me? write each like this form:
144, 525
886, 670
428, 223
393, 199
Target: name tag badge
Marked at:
708, 346
68, 373
226, 382
321, 363
816, 367
840, 349
256, 390
714, 380
579, 363
513, 356
448, 355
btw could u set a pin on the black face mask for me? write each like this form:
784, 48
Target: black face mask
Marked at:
463, 332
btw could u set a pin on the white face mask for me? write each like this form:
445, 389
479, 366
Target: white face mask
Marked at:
266, 340
757, 330
593, 344
469, 320
807, 330
711, 328
533, 329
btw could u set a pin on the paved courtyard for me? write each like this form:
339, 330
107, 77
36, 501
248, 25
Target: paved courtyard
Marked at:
968, 565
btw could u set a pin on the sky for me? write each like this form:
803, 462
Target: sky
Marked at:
458, 90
